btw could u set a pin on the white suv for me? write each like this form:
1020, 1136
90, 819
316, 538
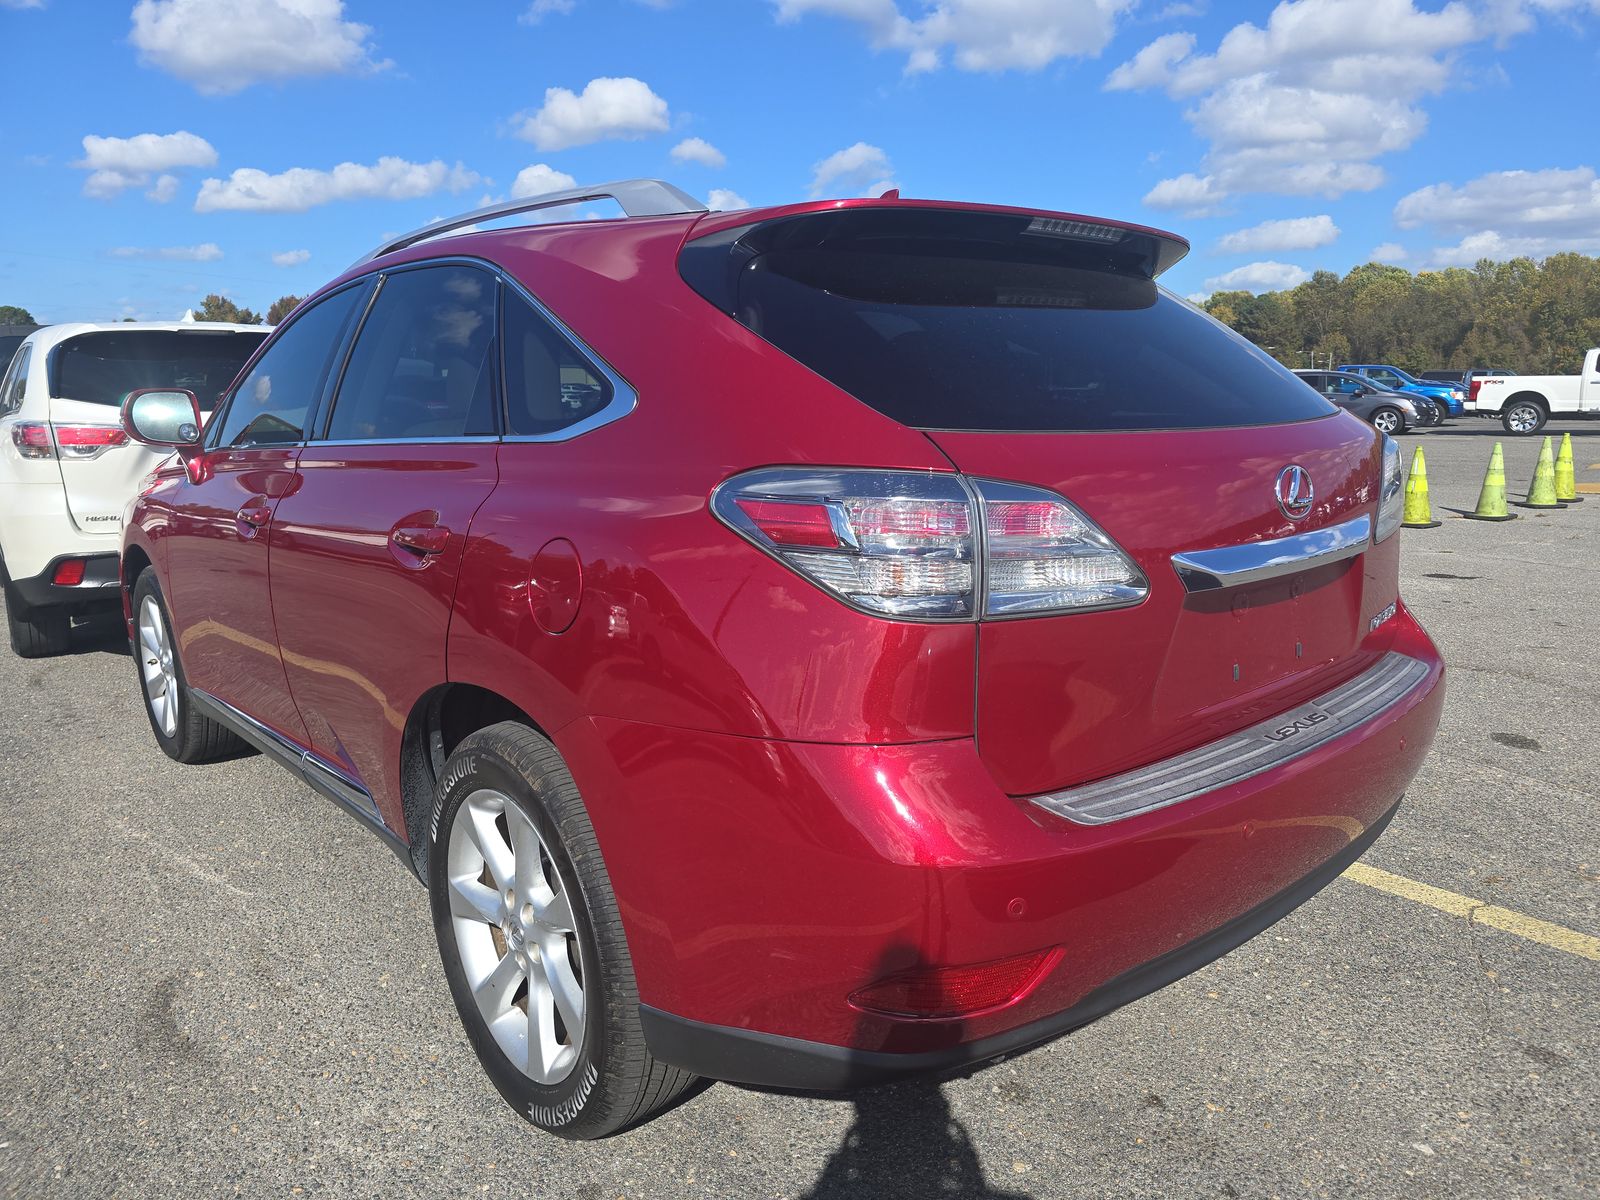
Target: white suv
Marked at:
67, 469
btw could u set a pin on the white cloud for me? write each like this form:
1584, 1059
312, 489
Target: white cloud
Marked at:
981, 35
205, 252
224, 46
723, 200
1258, 277
540, 9
540, 178
164, 190
859, 169
290, 258
1193, 195
1550, 202
117, 163
21, 3
1388, 252
1509, 214
1303, 104
1294, 233
300, 188
624, 109
1152, 66
698, 150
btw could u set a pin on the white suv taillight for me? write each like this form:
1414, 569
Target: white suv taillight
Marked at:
907, 544
34, 439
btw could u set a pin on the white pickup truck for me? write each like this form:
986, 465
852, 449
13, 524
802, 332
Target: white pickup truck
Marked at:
1525, 402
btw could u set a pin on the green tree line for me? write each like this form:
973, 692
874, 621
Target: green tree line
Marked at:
1525, 316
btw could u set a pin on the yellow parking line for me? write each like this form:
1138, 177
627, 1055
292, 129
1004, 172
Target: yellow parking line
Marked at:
1592, 489
1535, 930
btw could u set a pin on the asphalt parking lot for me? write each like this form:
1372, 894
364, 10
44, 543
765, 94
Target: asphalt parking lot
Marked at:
216, 984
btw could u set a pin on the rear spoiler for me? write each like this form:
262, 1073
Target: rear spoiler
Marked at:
711, 262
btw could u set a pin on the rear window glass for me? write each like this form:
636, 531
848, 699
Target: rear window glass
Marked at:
939, 333
102, 368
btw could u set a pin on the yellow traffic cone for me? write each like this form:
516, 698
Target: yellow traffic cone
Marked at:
1566, 474
1492, 499
1542, 491
1418, 514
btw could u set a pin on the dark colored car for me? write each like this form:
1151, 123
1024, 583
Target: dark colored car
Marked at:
925, 635
1388, 412
1393, 379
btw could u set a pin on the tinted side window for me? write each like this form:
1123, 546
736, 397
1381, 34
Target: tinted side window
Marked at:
549, 385
270, 405
1388, 378
15, 382
424, 363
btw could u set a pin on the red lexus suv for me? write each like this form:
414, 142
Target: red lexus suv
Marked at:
801, 646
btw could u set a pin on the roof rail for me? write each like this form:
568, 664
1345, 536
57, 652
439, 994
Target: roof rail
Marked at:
637, 198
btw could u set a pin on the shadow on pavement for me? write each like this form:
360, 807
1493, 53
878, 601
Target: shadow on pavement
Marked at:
905, 1144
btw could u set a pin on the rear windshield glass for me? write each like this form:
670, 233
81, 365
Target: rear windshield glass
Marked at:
102, 368
939, 334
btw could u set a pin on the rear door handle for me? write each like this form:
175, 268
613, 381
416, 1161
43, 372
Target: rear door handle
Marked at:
421, 539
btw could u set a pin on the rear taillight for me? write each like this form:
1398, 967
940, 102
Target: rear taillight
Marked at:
892, 542
33, 439
1043, 555
1391, 491
88, 441
931, 546
1472, 389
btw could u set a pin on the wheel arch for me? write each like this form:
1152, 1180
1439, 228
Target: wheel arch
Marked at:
440, 719
1529, 396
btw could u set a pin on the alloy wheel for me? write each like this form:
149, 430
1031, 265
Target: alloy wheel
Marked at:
1523, 418
1386, 422
157, 667
515, 932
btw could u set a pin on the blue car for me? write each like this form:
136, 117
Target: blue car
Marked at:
1395, 380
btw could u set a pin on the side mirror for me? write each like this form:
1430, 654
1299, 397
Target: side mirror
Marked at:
162, 417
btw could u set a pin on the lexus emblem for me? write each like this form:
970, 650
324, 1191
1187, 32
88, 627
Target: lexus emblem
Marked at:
1295, 492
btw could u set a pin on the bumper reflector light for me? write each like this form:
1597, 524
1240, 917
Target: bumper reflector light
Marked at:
68, 573
931, 993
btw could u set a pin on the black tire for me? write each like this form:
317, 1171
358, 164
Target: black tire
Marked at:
196, 738
1388, 420
1529, 414
37, 632
615, 1081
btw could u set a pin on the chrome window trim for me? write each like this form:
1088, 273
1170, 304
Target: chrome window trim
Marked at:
1251, 562
422, 441
1245, 754
624, 399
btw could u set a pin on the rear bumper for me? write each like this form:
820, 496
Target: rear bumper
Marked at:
761, 883
770, 1060
100, 586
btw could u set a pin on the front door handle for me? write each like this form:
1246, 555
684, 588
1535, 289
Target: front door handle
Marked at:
421, 539
251, 519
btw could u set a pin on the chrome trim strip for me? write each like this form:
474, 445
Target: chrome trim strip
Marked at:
1245, 754
1251, 562
623, 398
320, 775
636, 198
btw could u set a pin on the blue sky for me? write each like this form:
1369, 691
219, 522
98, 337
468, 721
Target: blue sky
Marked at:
159, 150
